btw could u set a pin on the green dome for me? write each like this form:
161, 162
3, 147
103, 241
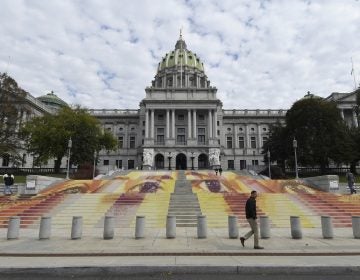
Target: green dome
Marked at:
181, 57
52, 100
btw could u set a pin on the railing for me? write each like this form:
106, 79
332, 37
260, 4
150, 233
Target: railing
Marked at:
246, 112
113, 112
310, 171
34, 170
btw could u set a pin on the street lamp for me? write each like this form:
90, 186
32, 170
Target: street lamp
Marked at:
68, 163
296, 167
169, 158
192, 160
94, 164
268, 156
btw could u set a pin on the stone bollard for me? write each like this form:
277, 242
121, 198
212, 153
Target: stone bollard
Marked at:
327, 227
295, 223
76, 228
109, 227
356, 226
13, 228
264, 227
171, 226
140, 227
233, 227
201, 226
45, 228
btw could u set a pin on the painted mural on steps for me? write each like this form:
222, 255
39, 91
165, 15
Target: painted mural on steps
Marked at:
148, 193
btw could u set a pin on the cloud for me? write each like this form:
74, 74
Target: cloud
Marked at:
259, 54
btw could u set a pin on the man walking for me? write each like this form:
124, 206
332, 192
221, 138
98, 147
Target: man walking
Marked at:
351, 180
8, 181
250, 210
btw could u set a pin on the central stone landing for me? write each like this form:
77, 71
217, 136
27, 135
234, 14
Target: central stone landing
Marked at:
184, 203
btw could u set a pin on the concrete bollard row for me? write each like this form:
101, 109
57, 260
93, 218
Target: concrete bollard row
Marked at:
201, 227
233, 227
327, 227
45, 228
109, 223
76, 227
295, 224
171, 226
264, 227
13, 228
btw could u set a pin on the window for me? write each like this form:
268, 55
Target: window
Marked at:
121, 128
181, 117
231, 164
218, 123
201, 136
218, 132
241, 142
160, 117
252, 129
106, 162
108, 128
253, 142
228, 129
255, 162
264, 140
143, 132
120, 142
160, 130
23, 161
160, 139
119, 163
242, 164
264, 128
229, 142
143, 123
241, 129
201, 117
180, 139
132, 142
5, 160
131, 164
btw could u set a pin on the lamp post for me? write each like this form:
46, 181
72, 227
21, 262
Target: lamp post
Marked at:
268, 156
169, 158
94, 167
68, 163
192, 160
296, 167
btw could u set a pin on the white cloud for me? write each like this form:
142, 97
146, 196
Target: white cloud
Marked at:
259, 54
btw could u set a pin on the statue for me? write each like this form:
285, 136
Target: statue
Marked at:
148, 156
214, 157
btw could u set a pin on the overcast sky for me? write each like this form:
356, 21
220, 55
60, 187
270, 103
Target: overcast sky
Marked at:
259, 54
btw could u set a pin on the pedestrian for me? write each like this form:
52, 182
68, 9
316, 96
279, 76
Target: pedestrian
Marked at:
8, 181
220, 170
250, 210
216, 171
351, 180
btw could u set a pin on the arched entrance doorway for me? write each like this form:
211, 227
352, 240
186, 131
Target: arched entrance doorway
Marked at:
203, 162
159, 161
181, 162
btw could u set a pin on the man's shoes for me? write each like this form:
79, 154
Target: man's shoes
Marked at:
258, 247
242, 240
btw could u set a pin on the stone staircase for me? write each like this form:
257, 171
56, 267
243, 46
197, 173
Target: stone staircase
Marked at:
184, 203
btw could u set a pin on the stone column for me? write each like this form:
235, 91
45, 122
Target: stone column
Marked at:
173, 123
342, 114
189, 123
210, 124
152, 123
259, 136
215, 123
247, 140
194, 119
355, 120
146, 123
167, 124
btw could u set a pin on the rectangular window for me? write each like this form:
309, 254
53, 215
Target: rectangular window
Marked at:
106, 162
242, 164
255, 162
132, 142
201, 117
119, 163
160, 130
131, 164
230, 164
181, 131
143, 123
181, 117
201, 130
160, 117
5, 160
201, 139
264, 140
218, 132
229, 142
253, 142
160, 139
180, 139
241, 142
120, 142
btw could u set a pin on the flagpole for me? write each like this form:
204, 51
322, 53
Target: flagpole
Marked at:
353, 73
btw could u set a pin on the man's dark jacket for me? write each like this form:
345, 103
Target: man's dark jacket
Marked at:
250, 208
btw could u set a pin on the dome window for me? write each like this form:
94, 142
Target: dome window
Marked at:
190, 57
171, 56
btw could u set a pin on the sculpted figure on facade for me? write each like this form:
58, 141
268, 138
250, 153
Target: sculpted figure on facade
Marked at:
148, 156
214, 156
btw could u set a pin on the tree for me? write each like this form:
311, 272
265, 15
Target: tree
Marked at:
47, 136
321, 134
12, 100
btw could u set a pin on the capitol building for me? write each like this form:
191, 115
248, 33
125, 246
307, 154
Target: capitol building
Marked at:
181, 124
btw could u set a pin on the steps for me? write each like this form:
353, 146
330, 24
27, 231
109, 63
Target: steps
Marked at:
184, 203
